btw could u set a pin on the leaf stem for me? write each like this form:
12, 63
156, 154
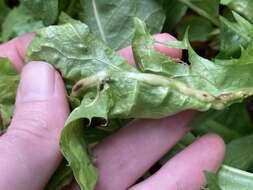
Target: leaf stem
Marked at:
214, 20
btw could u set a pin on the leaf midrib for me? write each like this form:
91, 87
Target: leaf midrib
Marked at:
97, 17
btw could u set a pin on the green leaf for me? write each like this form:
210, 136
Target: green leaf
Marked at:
231, 123
229, 178
230, 118
8, 85
234, 179
196, 33
101, 79
6, 111
214, 126
62, 177
241, 27
243, 7
74, 148
225, 2
45, 10
174, 11
208, 8
4, 10
112, 20
202, 74
80, 48
212, 181
239, 153
96, 134
19, 21
234, 35
72, 8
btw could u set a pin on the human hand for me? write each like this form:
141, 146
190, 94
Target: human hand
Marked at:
30, 151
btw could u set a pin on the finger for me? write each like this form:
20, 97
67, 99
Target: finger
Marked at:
15, 49
171, 52
185, 171
126, 155
29, 149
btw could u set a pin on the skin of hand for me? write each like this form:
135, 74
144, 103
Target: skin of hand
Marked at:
29, 150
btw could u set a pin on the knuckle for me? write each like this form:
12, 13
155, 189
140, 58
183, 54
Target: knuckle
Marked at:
33, 123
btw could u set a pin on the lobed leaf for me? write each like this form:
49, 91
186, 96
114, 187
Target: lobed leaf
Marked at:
101, 79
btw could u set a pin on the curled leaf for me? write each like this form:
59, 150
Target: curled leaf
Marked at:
109, 88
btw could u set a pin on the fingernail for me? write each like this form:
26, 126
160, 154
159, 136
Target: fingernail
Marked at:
37, 82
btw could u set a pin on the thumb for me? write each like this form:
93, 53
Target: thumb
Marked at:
30, 148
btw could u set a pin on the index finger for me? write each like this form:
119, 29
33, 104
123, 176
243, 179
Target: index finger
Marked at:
15, 49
